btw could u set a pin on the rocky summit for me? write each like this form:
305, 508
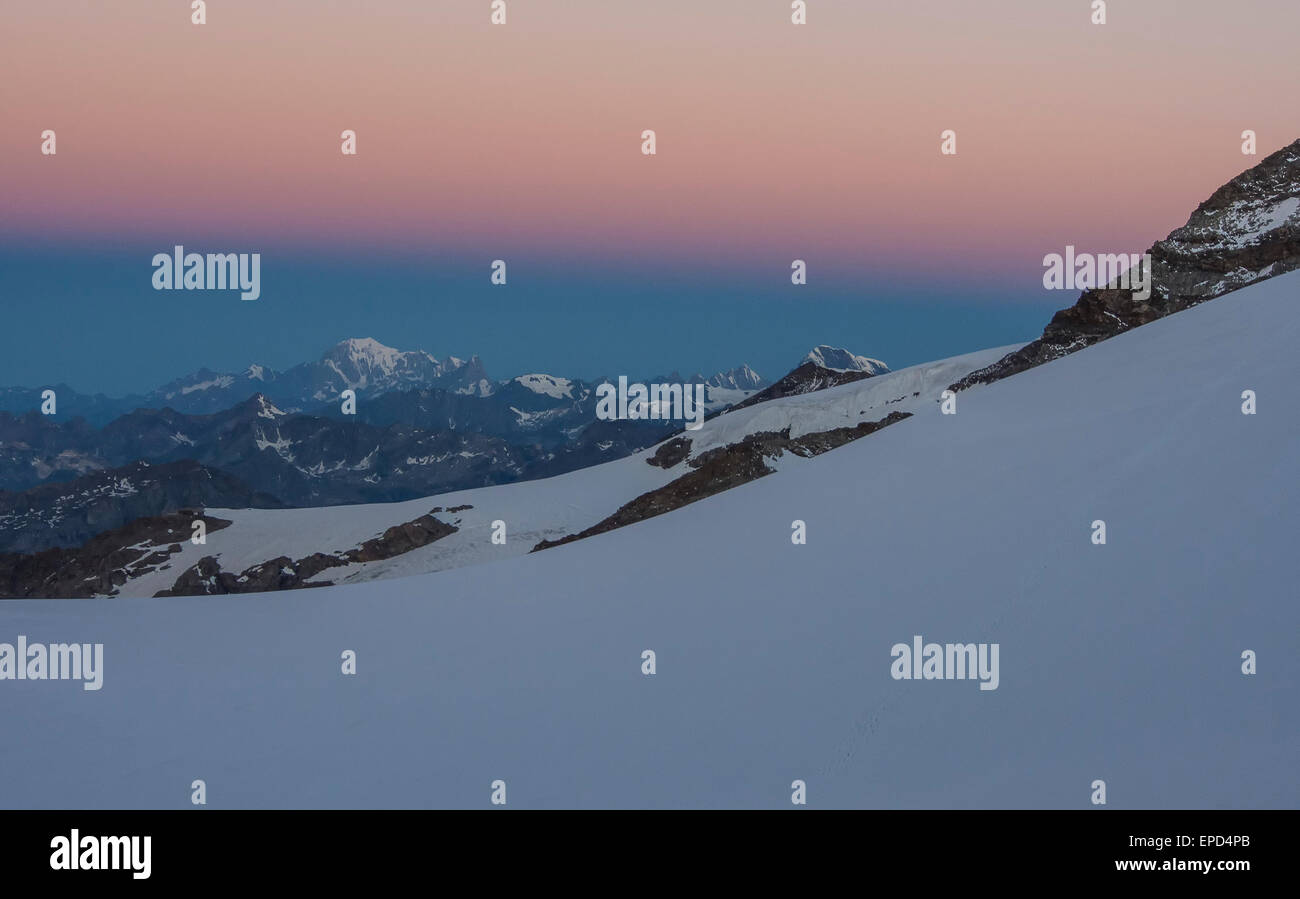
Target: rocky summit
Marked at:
1247, 231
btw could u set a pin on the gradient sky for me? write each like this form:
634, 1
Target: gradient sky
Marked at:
522, 142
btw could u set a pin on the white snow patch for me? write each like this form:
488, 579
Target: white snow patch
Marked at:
547, 385
220, 382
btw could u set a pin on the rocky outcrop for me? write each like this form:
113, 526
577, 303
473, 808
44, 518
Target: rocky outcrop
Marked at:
808, 377
1248, 230
103, 564
206, 577
402, 538
670, 452
70, 513
723, 468
107, 561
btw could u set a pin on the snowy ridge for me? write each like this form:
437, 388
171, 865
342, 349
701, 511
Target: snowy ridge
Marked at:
743, 378
906, 390
1251, 208
838, 359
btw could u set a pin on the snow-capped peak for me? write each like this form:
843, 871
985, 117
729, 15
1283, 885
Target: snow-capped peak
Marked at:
370, 352
742, 378
559, 388
838, 359
365, 363
255, 373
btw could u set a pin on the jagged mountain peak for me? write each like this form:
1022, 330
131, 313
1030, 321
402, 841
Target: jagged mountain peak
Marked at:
1247, 231
741, 378
840, 359
1254, 208
361, 361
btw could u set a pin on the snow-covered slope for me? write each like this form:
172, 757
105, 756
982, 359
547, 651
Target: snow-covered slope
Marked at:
906, 390
1119, 662
545, 509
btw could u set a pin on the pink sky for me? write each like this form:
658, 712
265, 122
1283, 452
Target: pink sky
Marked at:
819, 141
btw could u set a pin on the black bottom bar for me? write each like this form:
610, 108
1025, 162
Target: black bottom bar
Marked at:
633, 850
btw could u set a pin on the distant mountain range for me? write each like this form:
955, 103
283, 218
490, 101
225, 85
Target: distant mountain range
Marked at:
262, 438
360, 364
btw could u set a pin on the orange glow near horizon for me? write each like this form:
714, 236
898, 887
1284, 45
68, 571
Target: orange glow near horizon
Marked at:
772, 138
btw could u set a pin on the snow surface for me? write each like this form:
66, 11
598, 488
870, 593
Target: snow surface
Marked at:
721, 397
1119, 662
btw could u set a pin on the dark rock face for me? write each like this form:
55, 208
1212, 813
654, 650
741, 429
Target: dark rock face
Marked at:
671, 453
723, 468
1248, 230
107, 561
292, 460
807, 378
68, 514
103, 564
35, 449
95, 409
403, 538
206, 578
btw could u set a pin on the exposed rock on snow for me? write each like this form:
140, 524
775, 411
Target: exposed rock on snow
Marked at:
1247, 231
